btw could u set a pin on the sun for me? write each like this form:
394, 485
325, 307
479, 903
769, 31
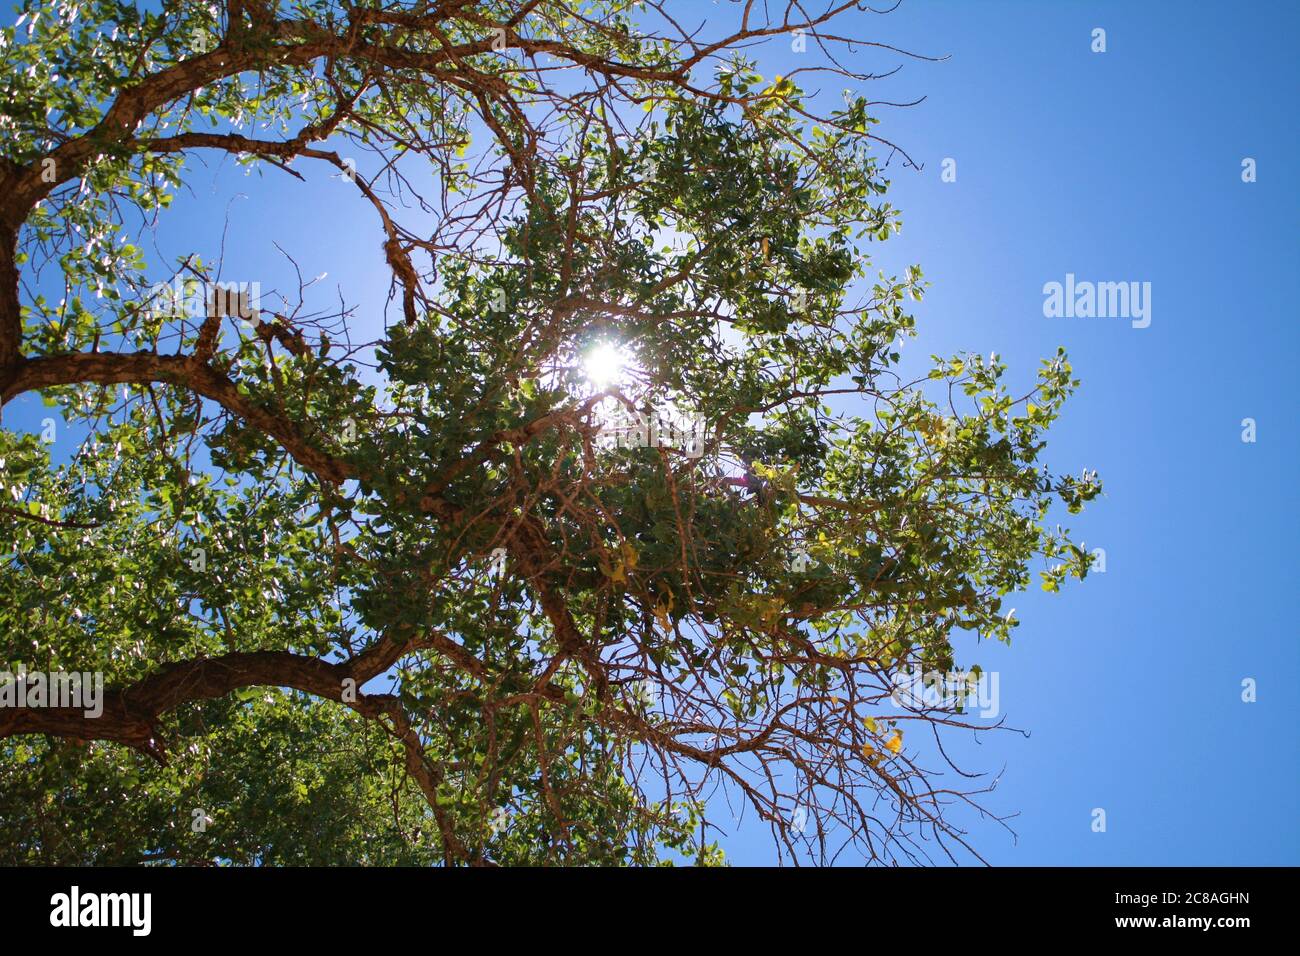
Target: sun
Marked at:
604, 366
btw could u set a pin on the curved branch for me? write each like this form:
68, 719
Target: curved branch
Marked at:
111, 368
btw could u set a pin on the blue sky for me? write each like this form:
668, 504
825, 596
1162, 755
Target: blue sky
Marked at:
1126, 166
1115, 166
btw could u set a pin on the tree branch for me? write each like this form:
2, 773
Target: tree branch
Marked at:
110, 368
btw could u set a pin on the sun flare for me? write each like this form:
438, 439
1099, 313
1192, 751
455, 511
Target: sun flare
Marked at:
604, 366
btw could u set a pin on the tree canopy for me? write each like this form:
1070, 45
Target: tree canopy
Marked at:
623, 521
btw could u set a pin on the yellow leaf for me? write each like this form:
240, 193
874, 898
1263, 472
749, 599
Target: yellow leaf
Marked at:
617, 573
629, 556
895, 743
662, 608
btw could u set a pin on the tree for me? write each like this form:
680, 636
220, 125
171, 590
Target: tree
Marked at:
627, 513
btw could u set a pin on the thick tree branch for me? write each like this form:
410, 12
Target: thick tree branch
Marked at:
130, 714
111, 368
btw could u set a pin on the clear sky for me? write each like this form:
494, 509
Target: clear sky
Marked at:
1127, 166
1117, 166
